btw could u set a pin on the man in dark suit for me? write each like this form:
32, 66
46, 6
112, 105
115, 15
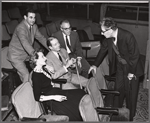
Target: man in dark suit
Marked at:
69, 40
20, 47
125, 64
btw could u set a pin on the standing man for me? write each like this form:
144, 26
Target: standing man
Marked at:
59, 59
123, 55
69, 40
20, 47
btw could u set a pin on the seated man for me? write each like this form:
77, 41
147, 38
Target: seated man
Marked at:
69, 40
58, 58
64, 102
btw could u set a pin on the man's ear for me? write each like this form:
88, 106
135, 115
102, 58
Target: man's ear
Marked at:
61, 29
50, 47
25, 17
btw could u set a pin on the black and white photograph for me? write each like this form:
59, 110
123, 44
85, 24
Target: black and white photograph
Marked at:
84, 61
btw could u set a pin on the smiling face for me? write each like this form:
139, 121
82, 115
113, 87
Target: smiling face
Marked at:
66, 28
30, 18
41, 59
107, 32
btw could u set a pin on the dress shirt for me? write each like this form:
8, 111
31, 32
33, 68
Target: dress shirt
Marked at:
56, 53
68, 50
115, 36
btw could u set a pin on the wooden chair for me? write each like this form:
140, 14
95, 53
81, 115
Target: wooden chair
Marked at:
5, 17
11, 26
51, 28
39, 21
43, 31
8, 69
5, 37
15, 14
28, 109
103, 102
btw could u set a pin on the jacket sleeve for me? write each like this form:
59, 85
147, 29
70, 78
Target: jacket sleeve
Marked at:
78, 47
133, 54
37, 84
23, 38
41, 38
102, 53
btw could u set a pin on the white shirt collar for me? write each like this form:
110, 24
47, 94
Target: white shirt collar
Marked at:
55, 53
115, 36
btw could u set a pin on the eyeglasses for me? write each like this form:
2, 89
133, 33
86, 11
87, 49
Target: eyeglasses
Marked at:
67, 28
102, 32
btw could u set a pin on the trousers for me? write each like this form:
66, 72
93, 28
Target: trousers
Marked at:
128, 90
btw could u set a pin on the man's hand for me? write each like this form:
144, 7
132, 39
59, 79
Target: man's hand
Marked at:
92, 68
79, 62
70, 62
50, 69
130, 76
60, 98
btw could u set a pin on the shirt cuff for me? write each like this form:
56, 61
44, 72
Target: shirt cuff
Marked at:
65, 69
79, 57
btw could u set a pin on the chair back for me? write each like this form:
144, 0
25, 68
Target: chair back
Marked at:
5, 17
58, 24
24, 102
11, 26
51, 28
39, 21
88, 30
4, 61
14, 13
5, 35
87, 110
83, 36
99, 76
95, 93
43, 31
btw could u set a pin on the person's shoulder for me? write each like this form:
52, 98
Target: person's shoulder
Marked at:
125, 32
49, 53
74, 33
63, 50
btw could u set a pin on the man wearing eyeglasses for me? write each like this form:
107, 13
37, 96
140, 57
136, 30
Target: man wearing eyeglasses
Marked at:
123, 55
69, 40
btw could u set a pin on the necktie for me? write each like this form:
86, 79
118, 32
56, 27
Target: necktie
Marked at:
30, 28
59, 57
68, 45
120, 59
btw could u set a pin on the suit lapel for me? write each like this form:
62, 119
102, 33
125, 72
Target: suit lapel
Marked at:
72, 42
62, 56
56, 59
30, 35
112, 57
63, 40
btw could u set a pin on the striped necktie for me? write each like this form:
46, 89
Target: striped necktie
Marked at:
59, 57
68, 45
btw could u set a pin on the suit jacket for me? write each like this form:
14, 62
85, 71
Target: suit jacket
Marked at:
21, 43
53, 61
128, 49
74, 40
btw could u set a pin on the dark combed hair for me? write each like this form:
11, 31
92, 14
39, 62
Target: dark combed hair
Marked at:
33, 59
109, 23
49, 40
29, 9
64, 21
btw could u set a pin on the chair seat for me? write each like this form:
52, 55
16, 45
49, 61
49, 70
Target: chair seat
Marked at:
50, 117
